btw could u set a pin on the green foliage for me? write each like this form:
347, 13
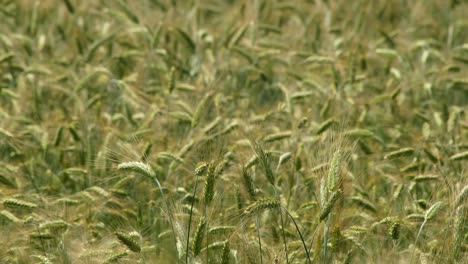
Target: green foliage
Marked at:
323, 131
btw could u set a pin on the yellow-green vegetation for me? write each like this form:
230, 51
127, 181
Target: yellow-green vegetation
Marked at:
224, 131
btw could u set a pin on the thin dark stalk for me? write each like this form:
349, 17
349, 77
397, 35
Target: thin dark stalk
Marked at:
207, 233
190, 221
299, 232
171, 221
282, 227
284, 238
259, 240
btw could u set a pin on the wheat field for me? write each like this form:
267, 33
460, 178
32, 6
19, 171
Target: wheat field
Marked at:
233, 131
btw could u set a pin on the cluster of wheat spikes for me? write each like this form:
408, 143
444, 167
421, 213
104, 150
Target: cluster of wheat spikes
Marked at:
233, 131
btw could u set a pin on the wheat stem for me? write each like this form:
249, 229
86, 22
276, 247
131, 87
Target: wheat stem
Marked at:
417, 238
299, 232
257, 224
200, 170
146, 170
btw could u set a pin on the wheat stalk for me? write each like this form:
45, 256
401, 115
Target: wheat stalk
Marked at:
460, 156
458, 228
208, 191
138, 167
248, 183
399, 153
146, 170
16, 203
330, 204
261, 205
431, 213
268, 204
201, 169
265, 163
277, 136
199, 235
172, 80
334, 176
226, 253
56, 224
9, 216
462, 196
394, 230
325, 125
128, 241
